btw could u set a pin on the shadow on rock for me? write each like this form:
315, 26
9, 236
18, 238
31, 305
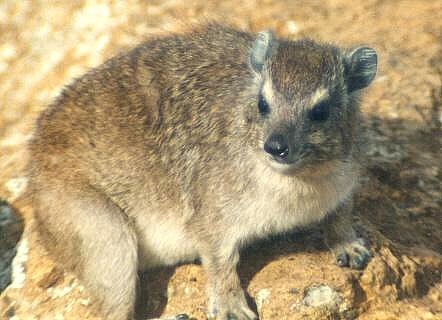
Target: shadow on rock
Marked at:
11, 229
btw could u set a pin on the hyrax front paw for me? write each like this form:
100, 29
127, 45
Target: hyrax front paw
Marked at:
231, 307
354, 254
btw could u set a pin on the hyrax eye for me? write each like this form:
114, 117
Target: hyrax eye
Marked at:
263, 106
320, 112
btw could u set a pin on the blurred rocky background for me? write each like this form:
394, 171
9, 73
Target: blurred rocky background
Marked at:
44, 44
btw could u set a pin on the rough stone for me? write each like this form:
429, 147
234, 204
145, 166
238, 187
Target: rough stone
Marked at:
321, 296
11, 228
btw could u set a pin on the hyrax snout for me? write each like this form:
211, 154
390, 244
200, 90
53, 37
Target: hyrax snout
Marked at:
191, 146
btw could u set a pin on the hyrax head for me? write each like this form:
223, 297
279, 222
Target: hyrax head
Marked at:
307, 100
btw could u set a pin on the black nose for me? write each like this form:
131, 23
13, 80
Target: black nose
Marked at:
277, 146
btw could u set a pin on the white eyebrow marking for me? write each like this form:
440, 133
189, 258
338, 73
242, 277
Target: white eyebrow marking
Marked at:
319, 95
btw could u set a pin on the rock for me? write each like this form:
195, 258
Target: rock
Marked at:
84, 302
19, 264
59, 316
261, 296
6, 268
294, 291
321, 301
11, 228
321, 296
50, 277
16, 186
181, 316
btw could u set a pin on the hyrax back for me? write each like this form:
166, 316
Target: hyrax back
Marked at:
190, 146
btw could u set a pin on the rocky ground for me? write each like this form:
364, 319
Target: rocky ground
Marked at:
42, 46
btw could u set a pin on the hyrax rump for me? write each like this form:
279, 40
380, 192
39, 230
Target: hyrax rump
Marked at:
191, 146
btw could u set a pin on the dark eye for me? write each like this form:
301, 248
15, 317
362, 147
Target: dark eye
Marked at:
262, 105
320, 112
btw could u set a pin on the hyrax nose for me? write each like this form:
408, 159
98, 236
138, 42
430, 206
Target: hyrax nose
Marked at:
277, 146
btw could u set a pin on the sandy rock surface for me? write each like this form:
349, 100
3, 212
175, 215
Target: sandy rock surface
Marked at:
43, 46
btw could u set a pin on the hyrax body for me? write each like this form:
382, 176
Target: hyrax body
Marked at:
191, 146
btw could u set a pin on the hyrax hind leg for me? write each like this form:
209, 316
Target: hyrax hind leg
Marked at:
91, 235
340, 236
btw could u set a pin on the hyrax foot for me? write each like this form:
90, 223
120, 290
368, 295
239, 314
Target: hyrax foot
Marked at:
354, 254
233, 307
349, 249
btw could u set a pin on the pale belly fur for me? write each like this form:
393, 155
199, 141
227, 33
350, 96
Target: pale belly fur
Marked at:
276, 206
163, 242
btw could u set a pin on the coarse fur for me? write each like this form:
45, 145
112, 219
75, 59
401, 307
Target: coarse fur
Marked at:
156, 157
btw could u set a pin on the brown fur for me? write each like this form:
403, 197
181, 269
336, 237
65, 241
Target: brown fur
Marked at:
156, 157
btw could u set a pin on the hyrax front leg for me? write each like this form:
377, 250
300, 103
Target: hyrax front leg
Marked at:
340, 236
227, 300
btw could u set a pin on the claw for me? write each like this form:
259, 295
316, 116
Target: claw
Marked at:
360, 260
357, 263
353, 255
342, 259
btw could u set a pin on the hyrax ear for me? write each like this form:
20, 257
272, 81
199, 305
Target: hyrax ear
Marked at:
361, 65
261, 50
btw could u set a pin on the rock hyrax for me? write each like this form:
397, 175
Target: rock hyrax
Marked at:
192, 146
